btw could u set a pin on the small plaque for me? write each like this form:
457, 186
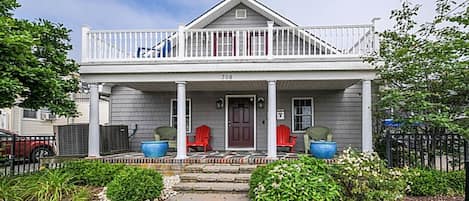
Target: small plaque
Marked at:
280, 114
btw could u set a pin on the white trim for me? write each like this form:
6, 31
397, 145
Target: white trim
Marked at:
293, 112
171, 113
227, 98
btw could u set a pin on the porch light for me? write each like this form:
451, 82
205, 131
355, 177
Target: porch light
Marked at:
260, 102
220, 103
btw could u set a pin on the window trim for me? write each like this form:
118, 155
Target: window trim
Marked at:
171, 113
293, 112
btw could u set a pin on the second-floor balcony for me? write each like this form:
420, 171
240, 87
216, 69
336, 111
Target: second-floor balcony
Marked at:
270, 42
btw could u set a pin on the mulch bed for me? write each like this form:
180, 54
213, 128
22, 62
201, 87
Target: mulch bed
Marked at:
437, 198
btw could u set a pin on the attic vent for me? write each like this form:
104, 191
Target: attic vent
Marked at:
241, 13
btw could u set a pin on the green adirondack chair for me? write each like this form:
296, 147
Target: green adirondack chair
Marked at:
317, 133
166, 133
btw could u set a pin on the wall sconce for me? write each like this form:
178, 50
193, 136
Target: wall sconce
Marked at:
220, 103
260, 102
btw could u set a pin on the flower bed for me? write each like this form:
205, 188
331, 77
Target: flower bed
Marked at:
81, 180
354, 176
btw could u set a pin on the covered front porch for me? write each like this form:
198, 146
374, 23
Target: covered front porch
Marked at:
343, 105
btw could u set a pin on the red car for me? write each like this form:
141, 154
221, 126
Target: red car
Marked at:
26, 147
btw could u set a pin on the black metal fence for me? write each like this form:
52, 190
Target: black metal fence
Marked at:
22, 154
431, 149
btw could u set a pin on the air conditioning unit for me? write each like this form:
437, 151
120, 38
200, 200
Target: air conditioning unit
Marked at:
48, 116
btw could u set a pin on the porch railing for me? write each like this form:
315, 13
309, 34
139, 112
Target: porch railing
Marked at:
238, 43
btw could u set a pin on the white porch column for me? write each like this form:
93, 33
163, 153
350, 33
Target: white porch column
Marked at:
367, 138
181, 120
272, 119
93, 138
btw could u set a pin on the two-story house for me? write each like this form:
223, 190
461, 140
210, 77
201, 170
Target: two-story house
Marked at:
240, 68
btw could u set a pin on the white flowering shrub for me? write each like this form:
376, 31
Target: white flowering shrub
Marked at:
303, 179
364, 176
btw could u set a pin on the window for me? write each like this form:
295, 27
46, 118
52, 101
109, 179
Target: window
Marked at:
173, 121
241, 14
29, 113
257, 43
302, 114
224, 44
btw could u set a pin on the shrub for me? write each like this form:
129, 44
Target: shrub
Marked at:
427, 182
93, 173
364, 176
10, 189
50, 185
260, 174
135, 184
303, 179
456, 182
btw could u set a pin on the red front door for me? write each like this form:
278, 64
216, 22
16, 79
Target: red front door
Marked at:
241, 123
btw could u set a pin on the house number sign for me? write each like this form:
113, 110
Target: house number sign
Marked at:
226, 76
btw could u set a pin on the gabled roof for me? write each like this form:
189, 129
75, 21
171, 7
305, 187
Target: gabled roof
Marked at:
225, 5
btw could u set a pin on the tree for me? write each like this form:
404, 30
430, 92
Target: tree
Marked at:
35, 71
424, 68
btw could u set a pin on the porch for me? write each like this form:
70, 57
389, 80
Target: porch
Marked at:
299, 104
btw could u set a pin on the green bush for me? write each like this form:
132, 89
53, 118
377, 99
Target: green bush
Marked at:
93, 173
10, 189
427, 182
456, 182
260, 174
135, 184
364, 176
303, 179
49, 186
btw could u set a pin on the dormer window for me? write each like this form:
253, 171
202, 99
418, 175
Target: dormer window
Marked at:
241, 13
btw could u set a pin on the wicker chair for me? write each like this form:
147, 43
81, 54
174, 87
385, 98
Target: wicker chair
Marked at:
166, 133
317, 133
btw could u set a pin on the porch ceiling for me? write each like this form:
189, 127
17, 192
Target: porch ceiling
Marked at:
244, 85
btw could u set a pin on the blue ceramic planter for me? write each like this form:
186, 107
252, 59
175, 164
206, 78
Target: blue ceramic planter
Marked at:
154, 149
323, 149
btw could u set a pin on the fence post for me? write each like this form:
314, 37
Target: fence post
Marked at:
85, 49
12, 155
388, 148
270, 39
466, 166
182, 42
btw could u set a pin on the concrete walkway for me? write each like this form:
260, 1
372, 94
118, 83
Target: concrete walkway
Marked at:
210, 197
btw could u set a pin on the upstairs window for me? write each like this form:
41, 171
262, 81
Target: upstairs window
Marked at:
224, 44
241, 14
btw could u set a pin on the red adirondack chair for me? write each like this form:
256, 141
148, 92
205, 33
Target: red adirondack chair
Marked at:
284, 139
202, 138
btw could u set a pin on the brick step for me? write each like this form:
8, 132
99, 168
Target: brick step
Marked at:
215, 177
211, 187
210, 168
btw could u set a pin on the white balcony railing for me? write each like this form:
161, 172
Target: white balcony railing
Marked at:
237, 43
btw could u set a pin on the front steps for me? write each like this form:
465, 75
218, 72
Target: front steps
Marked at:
215, 178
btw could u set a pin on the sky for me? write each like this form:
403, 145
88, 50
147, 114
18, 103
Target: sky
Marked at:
168, 14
